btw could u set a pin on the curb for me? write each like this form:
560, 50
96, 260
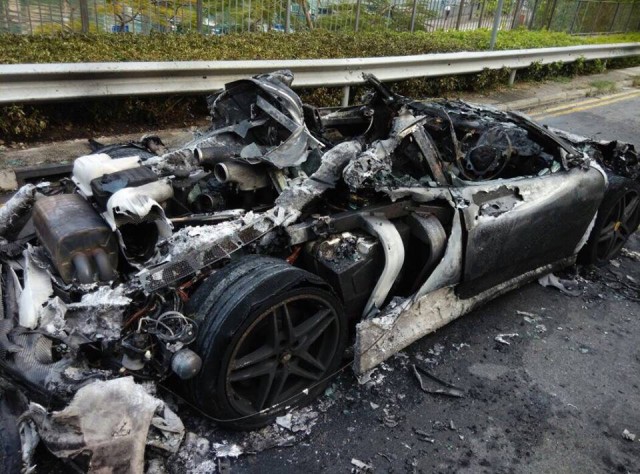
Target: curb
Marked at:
532, 103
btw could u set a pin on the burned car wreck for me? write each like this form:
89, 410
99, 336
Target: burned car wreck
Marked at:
236, 269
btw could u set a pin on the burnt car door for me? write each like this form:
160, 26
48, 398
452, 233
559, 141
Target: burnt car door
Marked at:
522, 223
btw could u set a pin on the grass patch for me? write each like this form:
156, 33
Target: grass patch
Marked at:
635, 81
604, 87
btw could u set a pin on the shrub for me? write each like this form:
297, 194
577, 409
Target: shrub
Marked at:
18, 122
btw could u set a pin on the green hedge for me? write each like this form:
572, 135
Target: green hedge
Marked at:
309, 45
24, 123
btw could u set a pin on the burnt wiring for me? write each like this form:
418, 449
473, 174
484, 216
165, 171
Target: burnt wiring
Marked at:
170, 327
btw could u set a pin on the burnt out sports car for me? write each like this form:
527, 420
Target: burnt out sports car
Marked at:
236, 269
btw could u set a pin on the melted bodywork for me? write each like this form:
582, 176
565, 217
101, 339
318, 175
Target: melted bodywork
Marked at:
413, 212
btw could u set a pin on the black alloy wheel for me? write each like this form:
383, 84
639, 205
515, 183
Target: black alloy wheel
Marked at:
271, 337
621, 222
618, 217
286, 350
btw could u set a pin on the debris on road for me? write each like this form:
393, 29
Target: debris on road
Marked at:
227, 450
361, 466
626, 434
424, 436
301, 420
502, 338
623, 285
390, 421
540, 328
632, 254
450, 391
109, 421
567, 287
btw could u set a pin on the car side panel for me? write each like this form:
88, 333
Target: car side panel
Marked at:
514, 226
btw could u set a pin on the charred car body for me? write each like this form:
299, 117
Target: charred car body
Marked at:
243, 262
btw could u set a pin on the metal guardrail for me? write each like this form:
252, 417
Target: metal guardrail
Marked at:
48, 82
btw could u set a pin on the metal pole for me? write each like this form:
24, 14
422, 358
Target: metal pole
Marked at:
345, 95
496, 25
512, 77
459, 19
199, 16
358, 14
413, 15
553, 10
287, 19
84, 16
613, 22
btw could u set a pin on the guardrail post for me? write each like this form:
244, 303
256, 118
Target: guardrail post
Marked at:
459, 19
512, 77
413, 15
287, 19
345, 95
496, 24
199, 16
84, 16
358, 14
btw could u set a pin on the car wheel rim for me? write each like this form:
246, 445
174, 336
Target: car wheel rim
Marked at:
284, 353
619, 225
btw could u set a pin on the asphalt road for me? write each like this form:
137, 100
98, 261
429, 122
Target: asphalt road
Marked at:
556, 400
618, 118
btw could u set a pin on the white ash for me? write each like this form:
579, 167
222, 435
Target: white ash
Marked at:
194, 238
301, 420
224, 450
104, 296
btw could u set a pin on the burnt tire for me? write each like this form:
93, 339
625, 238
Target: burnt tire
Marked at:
618, 217
12, 405
271, 336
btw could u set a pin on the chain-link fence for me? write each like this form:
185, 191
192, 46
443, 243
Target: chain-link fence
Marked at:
218, 17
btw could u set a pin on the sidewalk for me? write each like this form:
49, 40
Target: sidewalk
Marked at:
522, 96
525, 96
